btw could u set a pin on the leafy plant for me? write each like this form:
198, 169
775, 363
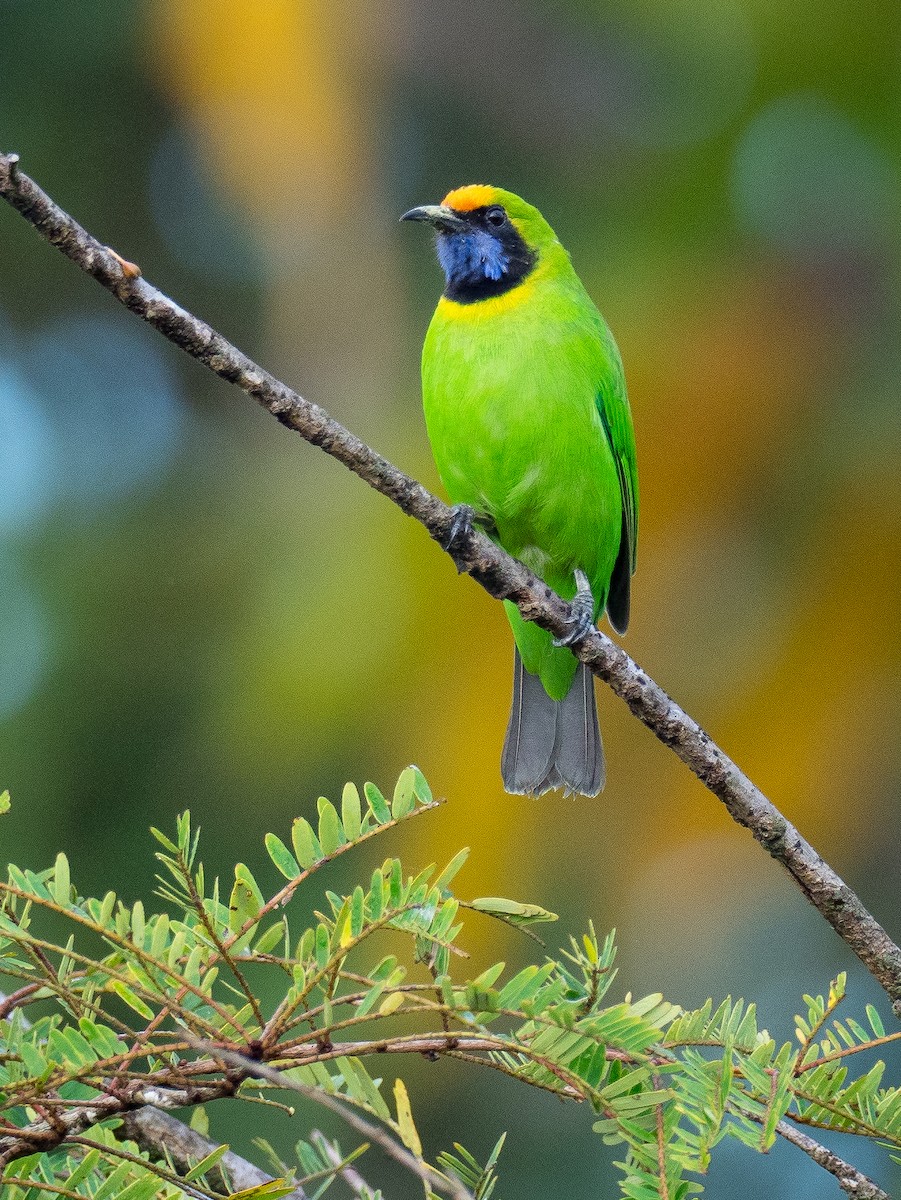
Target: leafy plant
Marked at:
130, 1008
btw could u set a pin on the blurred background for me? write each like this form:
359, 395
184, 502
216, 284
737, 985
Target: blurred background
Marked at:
199, 610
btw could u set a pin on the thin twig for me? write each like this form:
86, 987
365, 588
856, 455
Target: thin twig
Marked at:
195, 1190
448, 1184
187, 1084
51, 1189
348, 1173
42, 1135
222, 950
845, 1051
661, 1145
19, 999
496, 571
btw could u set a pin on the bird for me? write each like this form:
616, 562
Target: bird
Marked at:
529, 422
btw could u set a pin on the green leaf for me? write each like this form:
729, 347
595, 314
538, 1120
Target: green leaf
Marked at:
163, 840
377, 803
160, 936
421, 789
361, 1087
331, 835
281, 856
875, 1021
83, 1170
62, 886
444, 879
512, 910
376, 894
205, 1164
125, 993
145, 1188
5, 803
275, 1189
267, 941
351, 811
244, 873
323, 947
357, 913
523, 987
404, 800
107, 908
137, 922
390, 1004
487, 978
200, 1121
305, 843
242, 905
408, 1132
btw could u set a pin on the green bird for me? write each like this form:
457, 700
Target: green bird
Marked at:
526, 410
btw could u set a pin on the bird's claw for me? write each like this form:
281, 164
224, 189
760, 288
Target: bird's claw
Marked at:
582, 620
462, 520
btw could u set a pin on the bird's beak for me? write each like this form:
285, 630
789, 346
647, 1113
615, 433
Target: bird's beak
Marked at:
443, 218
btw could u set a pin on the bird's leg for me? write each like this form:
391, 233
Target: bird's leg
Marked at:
582, 620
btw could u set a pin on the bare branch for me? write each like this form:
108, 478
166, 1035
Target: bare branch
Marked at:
159, 1134
850, 1180
500, 575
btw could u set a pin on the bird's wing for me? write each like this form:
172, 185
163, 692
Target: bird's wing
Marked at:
616, 417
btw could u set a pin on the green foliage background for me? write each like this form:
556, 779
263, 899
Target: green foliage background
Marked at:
196, 610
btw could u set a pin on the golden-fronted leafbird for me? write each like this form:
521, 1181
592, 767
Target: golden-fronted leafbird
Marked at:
526, 409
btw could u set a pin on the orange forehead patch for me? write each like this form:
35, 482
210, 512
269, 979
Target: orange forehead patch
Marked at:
475, 195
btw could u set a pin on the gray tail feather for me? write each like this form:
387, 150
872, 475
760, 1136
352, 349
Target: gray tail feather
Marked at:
552, 743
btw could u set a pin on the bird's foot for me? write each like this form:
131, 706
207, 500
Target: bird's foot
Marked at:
462, 521
582, 620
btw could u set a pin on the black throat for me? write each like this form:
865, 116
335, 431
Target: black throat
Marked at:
470, 286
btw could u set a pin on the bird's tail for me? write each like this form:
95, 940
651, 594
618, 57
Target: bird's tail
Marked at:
552, 743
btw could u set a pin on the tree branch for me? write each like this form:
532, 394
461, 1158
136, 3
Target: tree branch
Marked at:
500, 575
186, 1085
47, 1135
162, 1135
850, 1180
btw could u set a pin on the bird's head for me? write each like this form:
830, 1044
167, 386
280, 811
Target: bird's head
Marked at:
488, 240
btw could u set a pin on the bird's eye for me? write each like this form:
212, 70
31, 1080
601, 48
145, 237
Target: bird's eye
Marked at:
495, 216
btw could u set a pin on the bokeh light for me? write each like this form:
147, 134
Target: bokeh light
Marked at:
192, 217
24, 639
111, 401
810, 179
25, 455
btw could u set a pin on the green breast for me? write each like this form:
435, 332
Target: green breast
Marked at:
511, 407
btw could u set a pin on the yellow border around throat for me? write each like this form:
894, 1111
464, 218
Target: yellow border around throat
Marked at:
494, 306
